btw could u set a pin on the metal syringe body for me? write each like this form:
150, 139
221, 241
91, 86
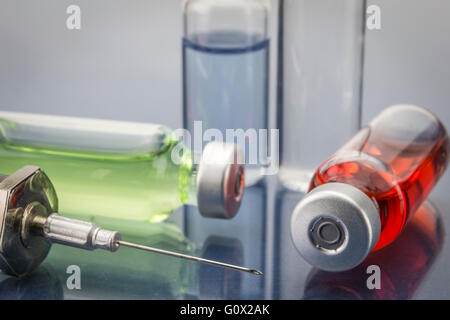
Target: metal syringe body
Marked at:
29, 225
80, 234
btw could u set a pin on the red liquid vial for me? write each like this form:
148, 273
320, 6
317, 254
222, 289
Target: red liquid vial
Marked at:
361, 198
403, 265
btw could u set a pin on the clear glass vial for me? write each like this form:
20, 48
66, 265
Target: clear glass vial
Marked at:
225, 72
123, 170
320, 80
361, 198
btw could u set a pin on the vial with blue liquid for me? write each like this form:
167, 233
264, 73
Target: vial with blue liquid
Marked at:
225, 75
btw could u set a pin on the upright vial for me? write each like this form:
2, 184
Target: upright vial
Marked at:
122, 170
225, 74
361, 198
320, 79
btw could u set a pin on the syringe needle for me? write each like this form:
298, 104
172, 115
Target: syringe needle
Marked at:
184, 256
88, 235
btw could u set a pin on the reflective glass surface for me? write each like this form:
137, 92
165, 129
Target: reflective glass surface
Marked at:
414, 266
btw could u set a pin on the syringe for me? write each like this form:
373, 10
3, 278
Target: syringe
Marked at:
30, 225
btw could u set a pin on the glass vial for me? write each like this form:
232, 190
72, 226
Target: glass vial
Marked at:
361, 198
122, 170
225, 73
320, 80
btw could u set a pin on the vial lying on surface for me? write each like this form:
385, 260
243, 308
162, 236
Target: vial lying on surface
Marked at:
361, 198
403, 265
105, 168
29, 225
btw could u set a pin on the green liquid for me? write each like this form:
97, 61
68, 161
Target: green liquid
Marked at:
145, 187
101, 168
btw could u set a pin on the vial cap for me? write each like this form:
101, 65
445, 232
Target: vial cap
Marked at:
220, 180
335, 226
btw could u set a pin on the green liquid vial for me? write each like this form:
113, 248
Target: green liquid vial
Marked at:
122, 170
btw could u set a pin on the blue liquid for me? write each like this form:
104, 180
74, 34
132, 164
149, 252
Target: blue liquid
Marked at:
226, 82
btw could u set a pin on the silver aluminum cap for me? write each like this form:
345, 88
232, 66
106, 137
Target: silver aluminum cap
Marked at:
220, 180
335, 226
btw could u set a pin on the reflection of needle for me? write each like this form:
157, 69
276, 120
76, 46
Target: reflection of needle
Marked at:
184, 256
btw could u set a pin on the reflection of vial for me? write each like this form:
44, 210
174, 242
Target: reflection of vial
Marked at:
362, 197
319, 92
247, 243
121, 170
225, 73
42, 284
402, 266
144, 276
228, 249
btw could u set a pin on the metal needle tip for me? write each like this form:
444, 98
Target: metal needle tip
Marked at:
256, 272
184, 256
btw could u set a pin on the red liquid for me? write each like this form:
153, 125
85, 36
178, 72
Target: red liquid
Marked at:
396, 164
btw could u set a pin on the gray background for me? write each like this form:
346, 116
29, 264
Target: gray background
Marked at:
125, 64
